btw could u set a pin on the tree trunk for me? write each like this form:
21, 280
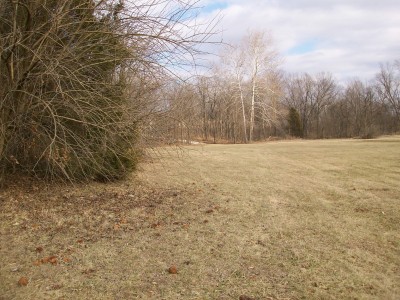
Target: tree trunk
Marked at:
253, 96
243, 111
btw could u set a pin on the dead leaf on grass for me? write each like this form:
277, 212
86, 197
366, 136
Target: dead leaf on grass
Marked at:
361, 209
172, 270
155, 225
53, 260
39, 249
37, 262
209, 211
45, 260
88, 271
244, 297
23, 281
50, 259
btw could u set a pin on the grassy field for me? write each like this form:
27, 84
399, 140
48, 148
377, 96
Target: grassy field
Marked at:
279, 220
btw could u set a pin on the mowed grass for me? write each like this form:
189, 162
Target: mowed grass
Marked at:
279, 220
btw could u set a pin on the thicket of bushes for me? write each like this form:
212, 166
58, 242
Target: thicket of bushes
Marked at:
73, 76
63, 107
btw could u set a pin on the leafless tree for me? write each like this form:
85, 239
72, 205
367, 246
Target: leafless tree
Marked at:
361, 100
311, 96
388, 88
252, 64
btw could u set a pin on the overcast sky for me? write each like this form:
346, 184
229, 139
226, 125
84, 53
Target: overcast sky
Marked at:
347, 38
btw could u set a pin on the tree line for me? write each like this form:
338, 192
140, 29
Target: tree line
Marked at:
245, 97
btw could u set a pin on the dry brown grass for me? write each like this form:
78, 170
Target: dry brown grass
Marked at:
280, 220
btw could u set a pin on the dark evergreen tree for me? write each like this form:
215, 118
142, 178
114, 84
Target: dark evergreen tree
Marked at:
295, 128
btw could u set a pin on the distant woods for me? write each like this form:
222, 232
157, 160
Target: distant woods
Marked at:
245, 97
85, 85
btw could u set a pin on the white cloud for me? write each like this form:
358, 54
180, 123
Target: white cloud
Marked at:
349, 38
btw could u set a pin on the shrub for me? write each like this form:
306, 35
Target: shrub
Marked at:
295, 127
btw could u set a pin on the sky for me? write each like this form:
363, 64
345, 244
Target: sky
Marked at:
349, 39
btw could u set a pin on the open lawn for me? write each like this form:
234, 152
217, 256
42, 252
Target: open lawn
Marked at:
279, 220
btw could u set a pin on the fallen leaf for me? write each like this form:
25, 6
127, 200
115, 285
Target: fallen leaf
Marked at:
37, 262
23, 281
172, 270
53, 261
50, 259
244, 297
209, 211
88, 271
39, 249
80, 241
155, 225
116, 227
66, 259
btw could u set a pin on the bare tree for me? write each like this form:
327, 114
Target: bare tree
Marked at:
298, 94
325, 94
388, 88
361, 100
234, 59
311, 96
262, 58
251, 63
